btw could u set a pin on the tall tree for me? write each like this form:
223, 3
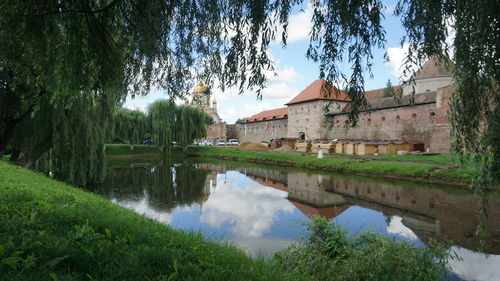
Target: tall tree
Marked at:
99, 50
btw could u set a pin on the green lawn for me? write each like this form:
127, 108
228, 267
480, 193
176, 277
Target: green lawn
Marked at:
309, 161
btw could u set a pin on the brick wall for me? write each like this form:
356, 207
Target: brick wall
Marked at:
259, 131
426, 122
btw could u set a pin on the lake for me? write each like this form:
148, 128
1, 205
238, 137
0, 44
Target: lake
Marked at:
261, 209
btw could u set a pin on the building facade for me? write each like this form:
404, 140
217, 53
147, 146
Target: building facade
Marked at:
417, 112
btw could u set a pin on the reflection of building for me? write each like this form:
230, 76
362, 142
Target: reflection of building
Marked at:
201, 98
428, 213
389, 118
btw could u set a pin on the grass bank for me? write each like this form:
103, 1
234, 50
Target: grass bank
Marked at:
52, 231
125, 151
417, 171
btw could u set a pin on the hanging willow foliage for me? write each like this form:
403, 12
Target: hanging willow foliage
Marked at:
182, 124
130, 126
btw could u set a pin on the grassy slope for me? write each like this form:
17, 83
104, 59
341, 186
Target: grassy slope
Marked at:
52, 231
365, 166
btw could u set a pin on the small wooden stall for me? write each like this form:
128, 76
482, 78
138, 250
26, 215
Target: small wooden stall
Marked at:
276, 142
387, 147
366, 147
326, 147
340, 145
416, 145
303, 146
350, 147
401, 145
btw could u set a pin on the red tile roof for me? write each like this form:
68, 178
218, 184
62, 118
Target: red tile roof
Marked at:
278, 113
325, 212
318, 91
379, 93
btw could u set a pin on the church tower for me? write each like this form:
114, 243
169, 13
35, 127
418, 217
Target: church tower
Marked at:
201, 99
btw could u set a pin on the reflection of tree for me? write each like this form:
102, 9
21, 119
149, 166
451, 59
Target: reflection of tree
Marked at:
388, 217
190, 184
157, 184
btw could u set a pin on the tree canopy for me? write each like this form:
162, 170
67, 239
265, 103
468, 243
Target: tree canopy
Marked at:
66, 64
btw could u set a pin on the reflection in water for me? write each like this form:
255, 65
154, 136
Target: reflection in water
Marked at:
260, 209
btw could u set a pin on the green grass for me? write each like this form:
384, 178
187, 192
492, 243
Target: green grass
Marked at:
350, 165
330, 253
114, 150
447, 159
52, 231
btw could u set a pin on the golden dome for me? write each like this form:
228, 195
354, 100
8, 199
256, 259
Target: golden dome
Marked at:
200, 88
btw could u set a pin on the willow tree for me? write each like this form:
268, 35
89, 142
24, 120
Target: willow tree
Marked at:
130, 126
190, 125
169, 123
66, 49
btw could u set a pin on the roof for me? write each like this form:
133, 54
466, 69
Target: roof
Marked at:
379, 93
318, 91
391, 102
325, 212
433, 68
273, 114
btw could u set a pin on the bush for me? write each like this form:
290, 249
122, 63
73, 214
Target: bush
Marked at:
330, 253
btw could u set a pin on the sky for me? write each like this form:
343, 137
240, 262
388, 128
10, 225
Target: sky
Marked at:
295, 72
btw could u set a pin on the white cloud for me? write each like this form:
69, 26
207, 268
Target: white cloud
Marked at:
250, 209
142, 207
396, 226
397, 56
299, 26
475, 266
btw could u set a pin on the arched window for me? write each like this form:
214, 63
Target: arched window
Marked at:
302, 136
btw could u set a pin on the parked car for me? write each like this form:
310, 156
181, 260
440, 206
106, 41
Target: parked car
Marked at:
205, 143
233, 142
221, 142
266, 143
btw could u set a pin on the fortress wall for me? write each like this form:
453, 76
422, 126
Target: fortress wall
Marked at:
425, 122
258, 131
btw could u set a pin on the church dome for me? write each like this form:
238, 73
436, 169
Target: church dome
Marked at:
200, 88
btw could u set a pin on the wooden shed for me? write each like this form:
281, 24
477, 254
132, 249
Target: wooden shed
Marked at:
340, 145
366, 147
303, 146
387, 147
416, 145
326, 147
350, 147
401, 145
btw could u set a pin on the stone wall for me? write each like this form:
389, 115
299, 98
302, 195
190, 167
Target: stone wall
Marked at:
216, 131
426, 122
259, 131
309, 118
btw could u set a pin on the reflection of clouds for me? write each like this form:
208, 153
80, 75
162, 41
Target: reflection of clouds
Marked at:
396, 226
263, 247
143, 208
251, 209
475, 266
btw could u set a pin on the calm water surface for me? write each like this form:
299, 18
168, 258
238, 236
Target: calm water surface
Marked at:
261, 210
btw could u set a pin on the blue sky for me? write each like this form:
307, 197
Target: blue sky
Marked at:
295, 72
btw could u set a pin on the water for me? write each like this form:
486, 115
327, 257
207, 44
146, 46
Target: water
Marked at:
261, 209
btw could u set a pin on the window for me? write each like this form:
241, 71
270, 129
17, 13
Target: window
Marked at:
383, 118
397, 118
432, 114
414, 116
369, 121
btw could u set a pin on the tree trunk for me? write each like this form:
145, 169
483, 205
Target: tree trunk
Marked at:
7, 135
30, 157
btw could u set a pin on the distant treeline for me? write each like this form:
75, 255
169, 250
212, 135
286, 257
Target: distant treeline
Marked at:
163, 124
